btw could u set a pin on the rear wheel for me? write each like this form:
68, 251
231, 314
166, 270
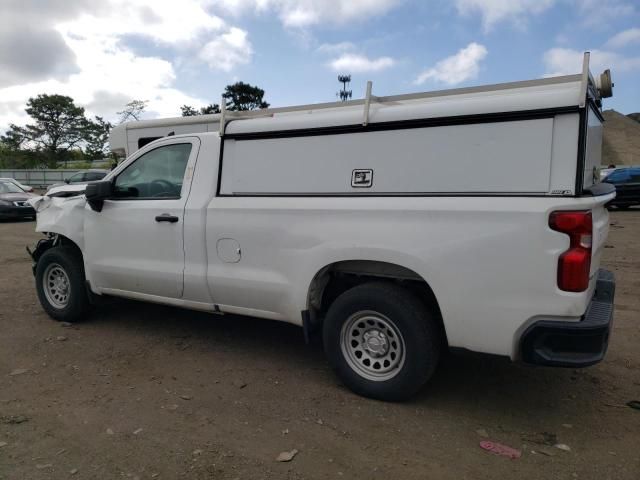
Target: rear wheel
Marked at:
60, 284
381, 341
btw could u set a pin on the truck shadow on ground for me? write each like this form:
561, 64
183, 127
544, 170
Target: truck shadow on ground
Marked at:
481, 384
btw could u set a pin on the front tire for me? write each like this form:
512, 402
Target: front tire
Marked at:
381, 341
60, 284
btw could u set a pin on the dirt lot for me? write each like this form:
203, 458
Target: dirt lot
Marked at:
143, 391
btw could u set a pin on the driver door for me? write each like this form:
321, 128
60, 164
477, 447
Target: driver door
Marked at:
135, 245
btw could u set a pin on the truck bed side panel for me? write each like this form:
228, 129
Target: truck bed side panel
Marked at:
491, 262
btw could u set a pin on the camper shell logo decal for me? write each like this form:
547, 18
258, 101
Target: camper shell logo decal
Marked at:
362, 178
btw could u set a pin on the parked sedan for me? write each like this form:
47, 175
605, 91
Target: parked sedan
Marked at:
84, 177
24, 187
627, 183
13, 201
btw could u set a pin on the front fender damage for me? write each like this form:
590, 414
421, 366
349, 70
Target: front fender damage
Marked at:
63, 216
58, 217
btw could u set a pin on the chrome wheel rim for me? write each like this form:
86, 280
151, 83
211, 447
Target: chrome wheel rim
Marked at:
372, 346
56, 285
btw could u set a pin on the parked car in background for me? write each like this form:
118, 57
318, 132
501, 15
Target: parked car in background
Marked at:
627, 183
13, 201
85, 176
24, 187
604, 172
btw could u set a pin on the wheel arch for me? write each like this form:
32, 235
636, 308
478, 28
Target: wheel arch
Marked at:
335, 278
53, 240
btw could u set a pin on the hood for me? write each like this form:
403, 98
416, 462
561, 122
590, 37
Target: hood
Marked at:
67, 190
16, 197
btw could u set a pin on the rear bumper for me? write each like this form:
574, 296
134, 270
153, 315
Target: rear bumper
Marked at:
574, 344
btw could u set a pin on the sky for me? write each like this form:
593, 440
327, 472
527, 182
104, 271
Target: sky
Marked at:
170, 53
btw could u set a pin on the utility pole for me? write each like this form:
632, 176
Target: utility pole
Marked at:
344, 94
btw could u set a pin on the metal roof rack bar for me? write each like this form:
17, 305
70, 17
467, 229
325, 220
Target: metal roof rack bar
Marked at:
367, 103
584, 79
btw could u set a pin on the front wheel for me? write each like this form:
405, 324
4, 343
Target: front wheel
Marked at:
60, 284
381, 341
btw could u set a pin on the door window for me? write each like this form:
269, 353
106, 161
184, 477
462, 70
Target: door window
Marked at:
156, 174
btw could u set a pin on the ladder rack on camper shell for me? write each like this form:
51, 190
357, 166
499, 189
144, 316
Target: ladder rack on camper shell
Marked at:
589, 88
128, 137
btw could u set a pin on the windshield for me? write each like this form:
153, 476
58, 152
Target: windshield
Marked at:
8, 187
624, 175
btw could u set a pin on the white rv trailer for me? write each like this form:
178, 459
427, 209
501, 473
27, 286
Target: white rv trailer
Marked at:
131, 136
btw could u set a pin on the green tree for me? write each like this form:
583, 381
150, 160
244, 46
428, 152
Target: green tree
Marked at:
133, 110
97, 138
189, 111
59, 126
242, 96
12, 140
209, 109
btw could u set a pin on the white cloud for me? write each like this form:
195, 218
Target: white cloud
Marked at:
356, 63
624, 38
594, 13
600, 13
565, 61
228, 50
109, 76
333, 48
102, 72
164, 22
496, 11
458, 68
306, 13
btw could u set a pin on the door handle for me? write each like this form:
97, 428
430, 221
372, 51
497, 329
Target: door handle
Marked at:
165, 217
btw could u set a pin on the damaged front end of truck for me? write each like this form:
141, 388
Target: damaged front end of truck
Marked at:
61, 219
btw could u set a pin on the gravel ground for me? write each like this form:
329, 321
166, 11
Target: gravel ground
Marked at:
144, 391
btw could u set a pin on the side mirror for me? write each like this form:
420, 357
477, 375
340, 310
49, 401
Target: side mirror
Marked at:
97, 193
66, 180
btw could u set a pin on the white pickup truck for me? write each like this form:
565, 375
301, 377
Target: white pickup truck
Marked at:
399, 227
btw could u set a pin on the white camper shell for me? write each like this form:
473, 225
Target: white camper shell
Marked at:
512, 138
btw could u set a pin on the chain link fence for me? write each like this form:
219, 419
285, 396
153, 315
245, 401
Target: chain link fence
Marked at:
38, 178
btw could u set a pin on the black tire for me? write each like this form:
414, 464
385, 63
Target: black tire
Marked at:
419, 335
77, 304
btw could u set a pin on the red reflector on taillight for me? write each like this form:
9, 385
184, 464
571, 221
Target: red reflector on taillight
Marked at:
574, 264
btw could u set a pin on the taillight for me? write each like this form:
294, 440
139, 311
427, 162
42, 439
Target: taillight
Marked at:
575, 263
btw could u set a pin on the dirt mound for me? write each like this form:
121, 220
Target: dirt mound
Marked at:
634, 116
621, 142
